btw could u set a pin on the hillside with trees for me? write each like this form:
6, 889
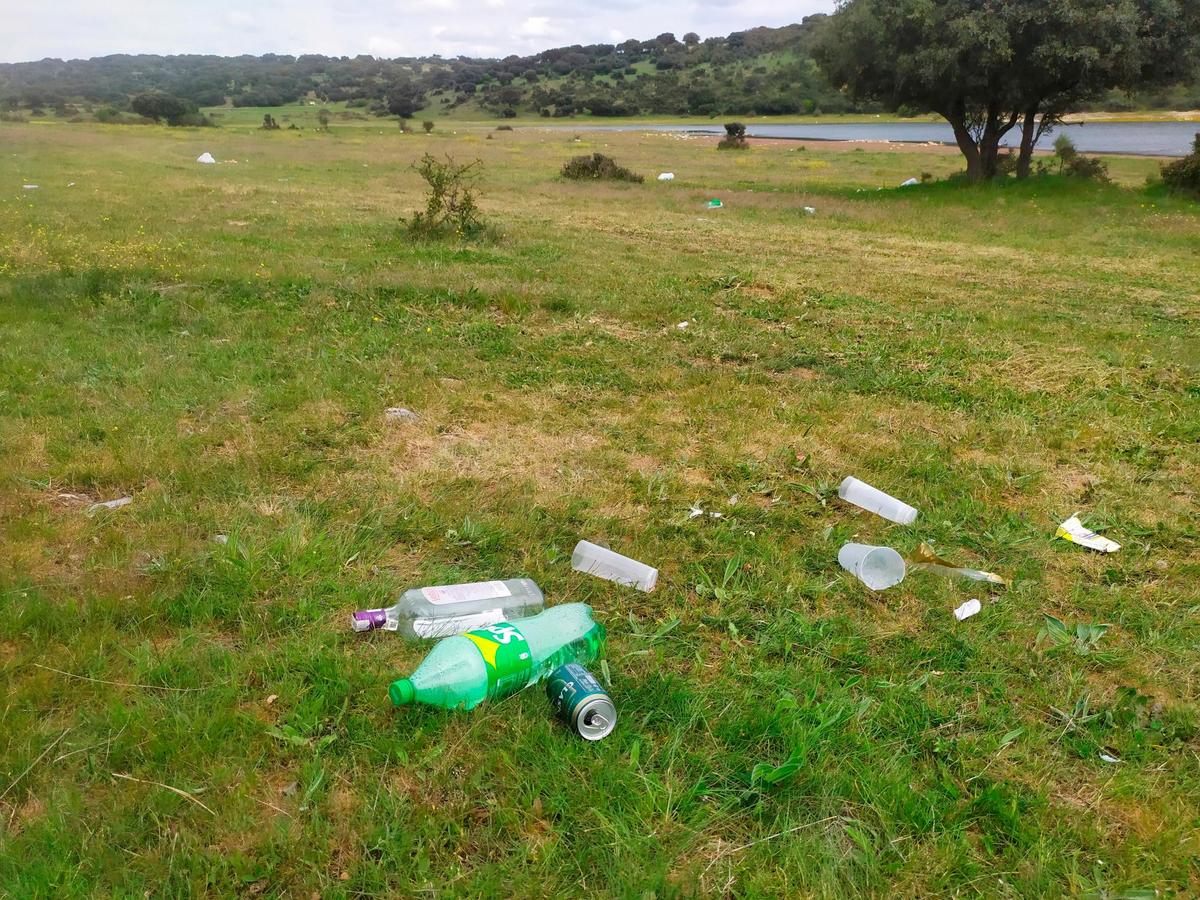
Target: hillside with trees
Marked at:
762, 71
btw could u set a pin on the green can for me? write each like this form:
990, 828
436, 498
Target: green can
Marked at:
581, 702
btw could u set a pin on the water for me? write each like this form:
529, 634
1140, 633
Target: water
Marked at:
1141, 138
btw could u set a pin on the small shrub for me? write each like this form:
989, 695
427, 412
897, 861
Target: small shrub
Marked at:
323, 119
1183, 175
1072, 164
504, 128
598, 167
926, 177
427, 125
269, 123
450, 207
735, 137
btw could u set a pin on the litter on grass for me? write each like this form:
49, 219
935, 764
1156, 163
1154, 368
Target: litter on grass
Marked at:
667, 176
1109, 758
873, 500
714, 203
879, 568
968, 609
810, 210
110, 504
205, 157
604, 563
400, 414
682, 326
909, 183
29, 187
1072, 530
926, 560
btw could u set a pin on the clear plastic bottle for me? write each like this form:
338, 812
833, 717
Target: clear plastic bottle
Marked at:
604, 563
502, 659
445, 610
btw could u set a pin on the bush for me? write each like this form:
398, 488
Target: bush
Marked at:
427, 125
598, 167
1183, 175
108, 114
1072, 164
450, 207
735, 137
269, 123
504, 128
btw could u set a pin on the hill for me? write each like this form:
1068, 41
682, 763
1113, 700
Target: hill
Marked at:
762, 71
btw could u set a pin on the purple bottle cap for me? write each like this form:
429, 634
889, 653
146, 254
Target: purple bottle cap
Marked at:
369, 619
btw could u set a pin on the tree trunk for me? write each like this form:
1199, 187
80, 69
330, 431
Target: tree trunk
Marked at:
966, 145
1029, 132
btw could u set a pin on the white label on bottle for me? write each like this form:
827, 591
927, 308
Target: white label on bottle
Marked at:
466, 593
439, 628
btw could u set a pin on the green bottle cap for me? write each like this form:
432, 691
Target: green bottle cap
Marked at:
401, 692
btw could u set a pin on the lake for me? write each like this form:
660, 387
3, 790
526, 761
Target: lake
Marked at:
1141, 138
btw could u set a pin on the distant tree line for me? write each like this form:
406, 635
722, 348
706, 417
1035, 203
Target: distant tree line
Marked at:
762, 71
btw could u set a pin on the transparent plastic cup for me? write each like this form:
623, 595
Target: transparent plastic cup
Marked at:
874, 500
879, 568
603, 563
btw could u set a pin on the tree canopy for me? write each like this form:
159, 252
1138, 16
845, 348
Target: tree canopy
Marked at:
987, 66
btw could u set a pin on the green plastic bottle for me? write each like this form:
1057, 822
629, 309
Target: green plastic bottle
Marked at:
498, 660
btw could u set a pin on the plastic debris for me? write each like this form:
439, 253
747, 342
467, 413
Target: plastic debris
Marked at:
30, 187
488, 663
445, 610
968, 609
714, 203
70, 184
604, 563
810, 210
873, 500
879, 568
1109, 758
682, 326
910, 182
110, 504
222, 539
695, 512
1072, 530
400, 414
206, 158
926, 560
667, 176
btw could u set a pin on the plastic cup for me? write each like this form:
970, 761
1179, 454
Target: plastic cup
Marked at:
879, 568
874, 500
604, 563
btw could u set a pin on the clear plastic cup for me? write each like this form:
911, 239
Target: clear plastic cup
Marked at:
603, 563
874, 500
879, 568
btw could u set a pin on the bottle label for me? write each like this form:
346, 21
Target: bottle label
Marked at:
506, 657
440, 628
466, 593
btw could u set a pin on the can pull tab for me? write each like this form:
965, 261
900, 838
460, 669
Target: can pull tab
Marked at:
594, 718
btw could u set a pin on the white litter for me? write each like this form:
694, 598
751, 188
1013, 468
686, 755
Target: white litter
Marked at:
29, 187
968, 609
205, 157
70, 184
682, 326
110, 504
667, 176
1109, 758
1072, 530
695, 512
810, 210
400, 414
909, 183
221, 539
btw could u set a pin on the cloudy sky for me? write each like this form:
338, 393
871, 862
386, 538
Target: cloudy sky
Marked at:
80, 28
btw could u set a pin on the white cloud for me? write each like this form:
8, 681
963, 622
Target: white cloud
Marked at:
536, 26
82, 28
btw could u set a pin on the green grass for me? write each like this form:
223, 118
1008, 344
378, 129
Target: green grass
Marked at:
220, 343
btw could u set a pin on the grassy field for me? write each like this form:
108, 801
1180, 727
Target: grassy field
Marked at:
187, 717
